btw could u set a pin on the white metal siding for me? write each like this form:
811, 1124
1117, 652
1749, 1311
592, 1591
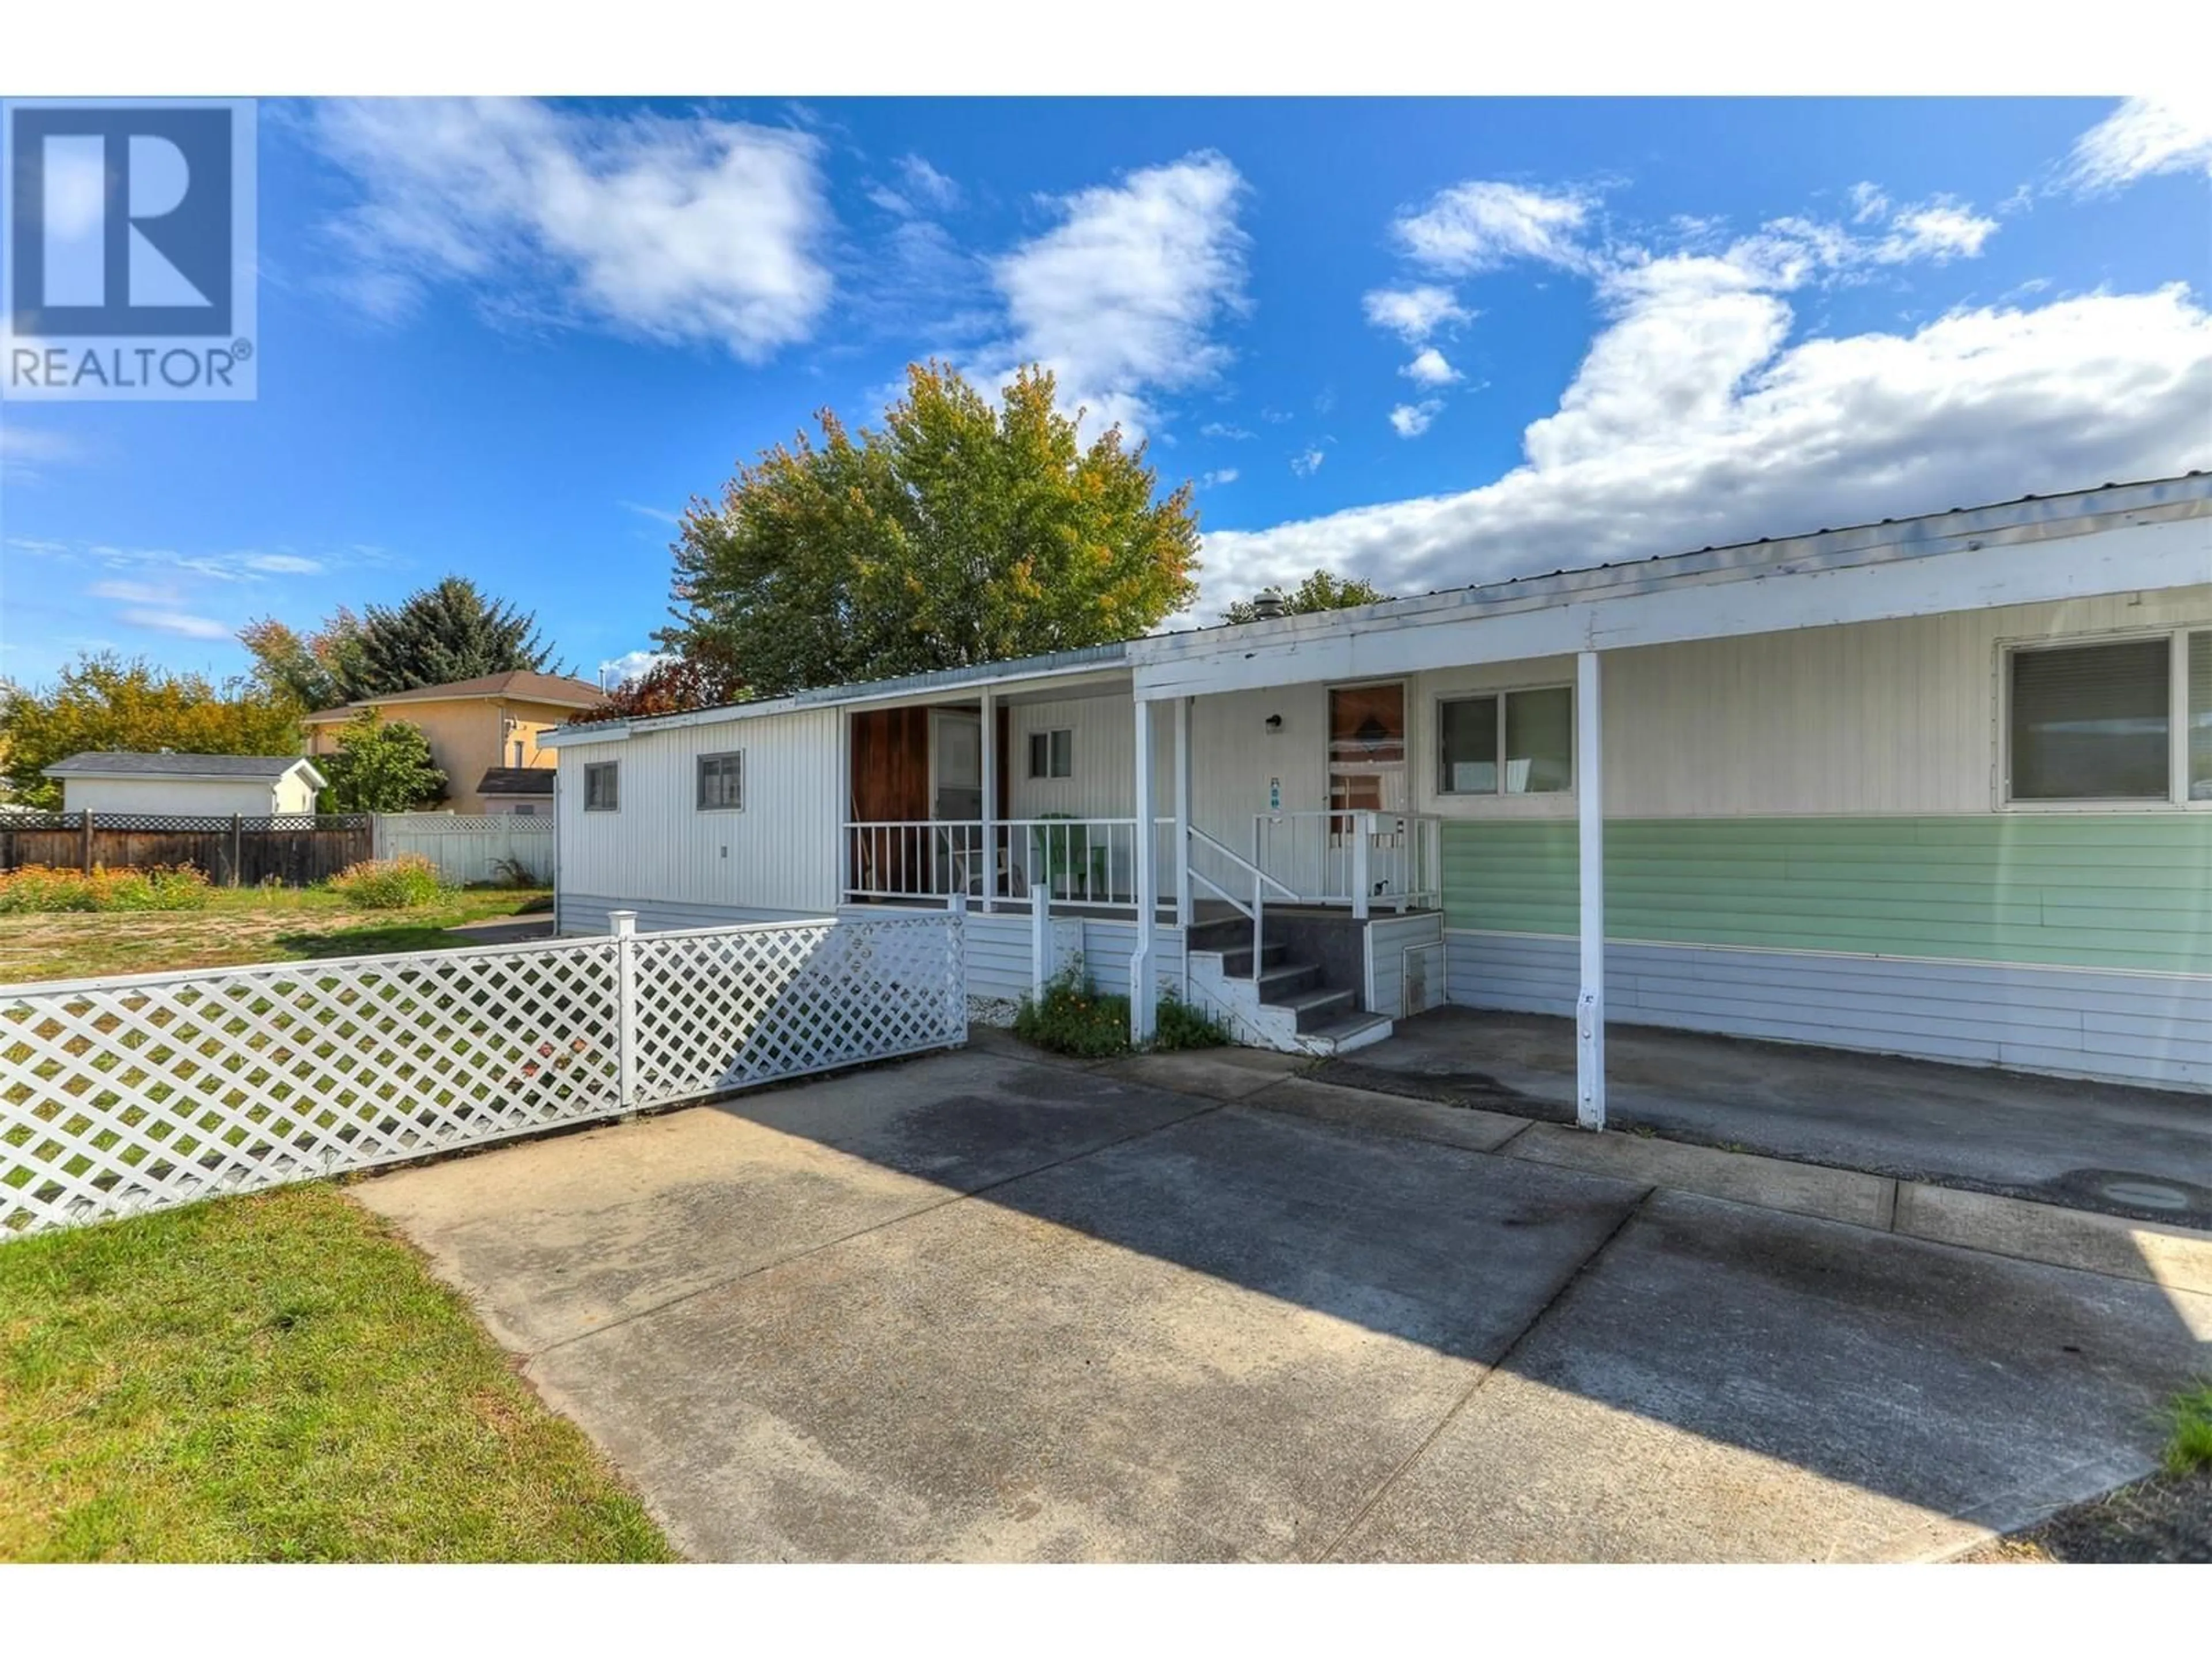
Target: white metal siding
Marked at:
1880, 717
1388, 939
2137, 1027
658, 848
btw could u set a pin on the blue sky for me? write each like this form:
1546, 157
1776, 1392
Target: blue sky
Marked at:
1430, 342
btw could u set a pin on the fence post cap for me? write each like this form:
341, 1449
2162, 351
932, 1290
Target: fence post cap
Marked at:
623, 923
957, 903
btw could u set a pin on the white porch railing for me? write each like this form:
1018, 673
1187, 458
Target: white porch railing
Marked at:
1077, 861
1368, 860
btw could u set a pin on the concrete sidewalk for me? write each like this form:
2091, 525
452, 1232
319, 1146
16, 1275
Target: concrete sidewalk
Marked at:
982, 1306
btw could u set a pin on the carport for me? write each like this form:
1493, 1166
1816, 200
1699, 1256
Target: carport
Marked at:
2146, 1153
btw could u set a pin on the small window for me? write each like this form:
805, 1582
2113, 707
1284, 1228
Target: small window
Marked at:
526, 812
1532, 731
602, 787
2092, 723
1051, 754
722, 782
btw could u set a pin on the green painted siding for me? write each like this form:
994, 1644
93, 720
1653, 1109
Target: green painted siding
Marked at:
2089, 890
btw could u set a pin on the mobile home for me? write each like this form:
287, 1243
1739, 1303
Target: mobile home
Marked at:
1938, 787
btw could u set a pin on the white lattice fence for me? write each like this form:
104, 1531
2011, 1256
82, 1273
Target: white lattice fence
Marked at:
471, 846
130, 1094
732, 1006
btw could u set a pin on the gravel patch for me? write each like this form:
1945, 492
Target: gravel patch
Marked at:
997, 1011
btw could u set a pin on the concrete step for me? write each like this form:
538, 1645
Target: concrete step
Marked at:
1287, 980
1237, 965
1225, 934
1316, 1007
1348, 1031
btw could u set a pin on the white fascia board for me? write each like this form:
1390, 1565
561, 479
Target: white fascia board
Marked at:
1073, 676
2128, 558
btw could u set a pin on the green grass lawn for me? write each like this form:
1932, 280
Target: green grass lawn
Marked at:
239, 924
276, 1378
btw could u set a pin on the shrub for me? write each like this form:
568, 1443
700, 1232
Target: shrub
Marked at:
1071, 1018
397, 883
39, 887
1182, 1026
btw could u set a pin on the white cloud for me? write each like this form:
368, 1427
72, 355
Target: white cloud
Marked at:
1411, 420
26, 450
2143, 136
1414, 314
692, 230
1223, 430
1692, 422
280, 564
1307, 462
659, 513
1227, 475
1869, 200
1482, 224
1122, 298
1940, 230
1430, 369
132, 592
180, 623
926, 184
631, 665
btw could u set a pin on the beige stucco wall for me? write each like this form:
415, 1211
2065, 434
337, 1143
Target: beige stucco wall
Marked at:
468, 737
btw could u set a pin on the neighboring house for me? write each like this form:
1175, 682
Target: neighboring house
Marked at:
479, 731
525, 790
216, 786
1939, 787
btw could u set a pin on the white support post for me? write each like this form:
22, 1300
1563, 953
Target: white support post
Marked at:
990, 816
1363, 838
956, 959
1144, 984
1183, 811
1589, 807
1040, 961
625, 928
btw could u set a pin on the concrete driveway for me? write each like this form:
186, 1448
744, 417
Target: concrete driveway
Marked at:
981, 1306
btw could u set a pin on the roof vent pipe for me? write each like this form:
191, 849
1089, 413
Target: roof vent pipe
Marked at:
1268, 604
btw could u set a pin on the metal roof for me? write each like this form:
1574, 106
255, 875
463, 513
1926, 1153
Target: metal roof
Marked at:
1075, 661
1956, 529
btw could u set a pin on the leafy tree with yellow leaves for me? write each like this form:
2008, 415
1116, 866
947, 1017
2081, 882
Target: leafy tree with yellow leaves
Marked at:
956, 533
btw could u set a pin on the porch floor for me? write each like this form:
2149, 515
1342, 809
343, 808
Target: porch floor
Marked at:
2146, 1153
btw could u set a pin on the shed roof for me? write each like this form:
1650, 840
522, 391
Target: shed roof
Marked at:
516, 781
198, 768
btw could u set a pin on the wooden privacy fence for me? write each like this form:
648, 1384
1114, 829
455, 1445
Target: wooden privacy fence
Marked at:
145, 1091
470, 847
295, 851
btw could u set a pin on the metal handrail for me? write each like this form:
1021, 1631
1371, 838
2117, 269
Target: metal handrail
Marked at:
1261, 881
1244, 863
